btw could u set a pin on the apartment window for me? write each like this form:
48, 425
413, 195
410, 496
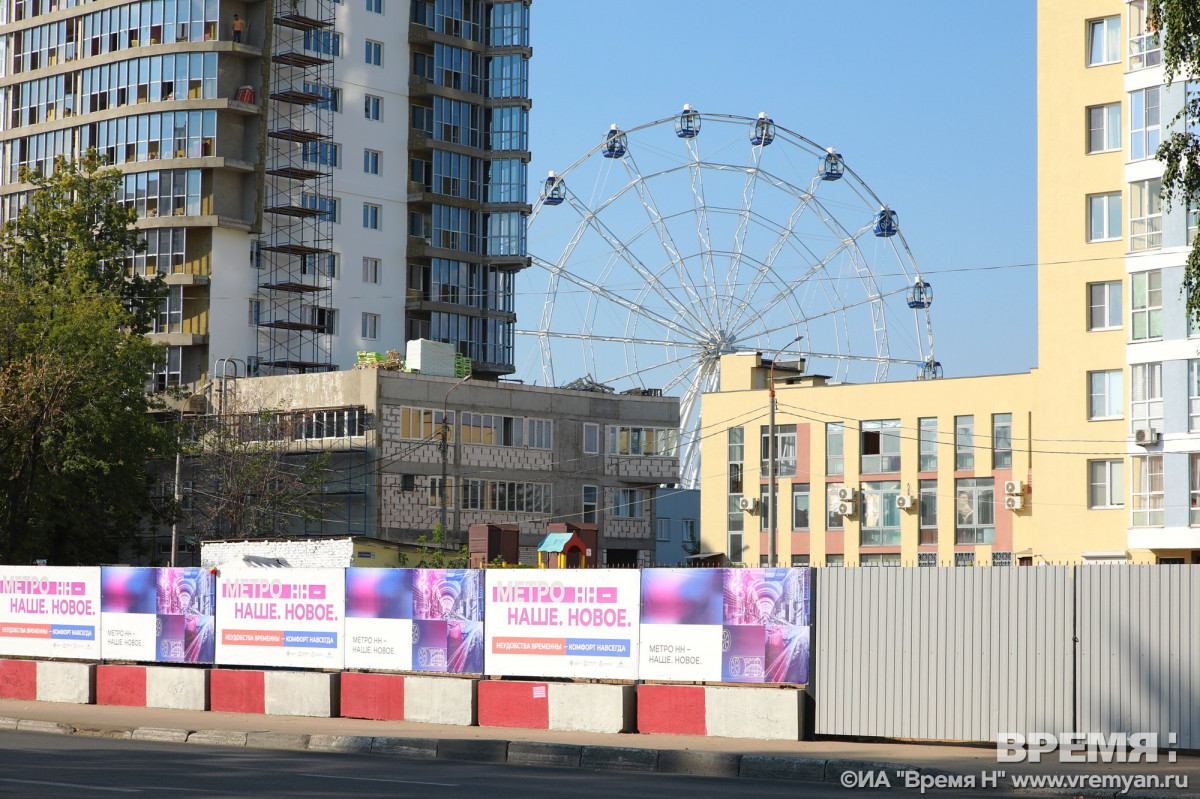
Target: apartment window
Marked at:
375, 6
662, 530
736, 549
1145, 50
800, 561
800, 504
1147, 490
332, 96
974, 521
833, 519
734, 518
425, 424
436, 492
785, 450
1106, 484
879, 560
964, 443
370, 326
927, 512
505, 431
169, 372
591, 501
880, 516
926, 559
591, 439
835, 561
329, 206
1145, 215
736, 450
255, 312
1146, 405
371, 161
370, 270
964, 558
627, 503
323, 42
374, 108
371, 216
643, 441
1104, 306
1145, 127
1104, 41
1105, 397
1193, 489
927, 444
1001, 440
766, 508
374, 53
1104, 128
1193, 217
169, 318
1146, 306
323, 153
834, 454
1001, 558
1193, 395
1104, 217
880, 446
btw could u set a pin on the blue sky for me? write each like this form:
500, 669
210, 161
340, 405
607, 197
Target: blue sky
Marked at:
932, 103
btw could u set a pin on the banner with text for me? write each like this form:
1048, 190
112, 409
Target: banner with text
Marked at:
727, 625
379, 619
562, 623
50, 611
161, 615
281, 617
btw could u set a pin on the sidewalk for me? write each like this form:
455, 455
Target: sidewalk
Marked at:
811, 761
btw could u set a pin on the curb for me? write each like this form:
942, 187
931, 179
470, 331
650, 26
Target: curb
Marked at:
533, 753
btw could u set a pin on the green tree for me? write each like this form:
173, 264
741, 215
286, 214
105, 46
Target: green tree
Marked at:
437, 554
76, 428
249, 479
1179, 24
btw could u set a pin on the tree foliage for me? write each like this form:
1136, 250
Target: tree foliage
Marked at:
76, 432
249, 481
1179, 23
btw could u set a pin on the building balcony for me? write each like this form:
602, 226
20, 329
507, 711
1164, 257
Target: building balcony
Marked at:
642, 469
1164, 538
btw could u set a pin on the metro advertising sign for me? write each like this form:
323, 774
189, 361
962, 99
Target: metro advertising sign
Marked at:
50, 611
284, 617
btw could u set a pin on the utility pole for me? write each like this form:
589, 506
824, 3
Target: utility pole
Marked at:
772, 454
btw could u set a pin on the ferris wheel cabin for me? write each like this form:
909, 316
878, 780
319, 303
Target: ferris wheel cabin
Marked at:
886, 222
615, 144
930, 370
920, 294
763, 132
554, 190
831, 166
687, 124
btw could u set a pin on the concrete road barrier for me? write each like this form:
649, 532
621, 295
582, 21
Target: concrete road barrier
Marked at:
753, 712
66, 682
593, 707
237, 691
505, 703
177, 687
301, 693
440, 700
671, 709
372, 696
18, 679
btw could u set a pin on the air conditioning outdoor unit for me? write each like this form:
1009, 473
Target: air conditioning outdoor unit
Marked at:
1145, 436
748, 504
1014, 487
1014, 503
846, 493
846, 508
905, 502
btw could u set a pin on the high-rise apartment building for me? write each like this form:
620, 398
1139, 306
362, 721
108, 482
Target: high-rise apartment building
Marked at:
313, 178
1092, 457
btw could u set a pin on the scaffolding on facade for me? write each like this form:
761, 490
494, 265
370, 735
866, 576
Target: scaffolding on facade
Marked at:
295, 319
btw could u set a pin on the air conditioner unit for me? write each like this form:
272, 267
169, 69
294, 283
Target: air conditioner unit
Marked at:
846, 493
1145, 436
905, 502
1014, 487
1014, 503
748, 504
846, 508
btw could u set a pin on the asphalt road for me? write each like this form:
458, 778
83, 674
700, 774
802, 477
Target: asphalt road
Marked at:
38, 765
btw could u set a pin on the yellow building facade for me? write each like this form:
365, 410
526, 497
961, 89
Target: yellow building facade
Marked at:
1092, 456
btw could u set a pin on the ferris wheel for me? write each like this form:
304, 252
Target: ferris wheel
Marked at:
671, 244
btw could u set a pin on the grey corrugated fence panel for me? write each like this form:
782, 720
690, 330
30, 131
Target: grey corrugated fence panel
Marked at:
1139, 651
943, 653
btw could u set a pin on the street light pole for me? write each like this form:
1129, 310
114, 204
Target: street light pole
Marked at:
445, 433
772, 454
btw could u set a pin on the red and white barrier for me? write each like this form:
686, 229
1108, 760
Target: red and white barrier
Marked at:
722, 711
372, 696
584, 707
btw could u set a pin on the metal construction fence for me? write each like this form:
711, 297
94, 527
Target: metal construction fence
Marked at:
966, 654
